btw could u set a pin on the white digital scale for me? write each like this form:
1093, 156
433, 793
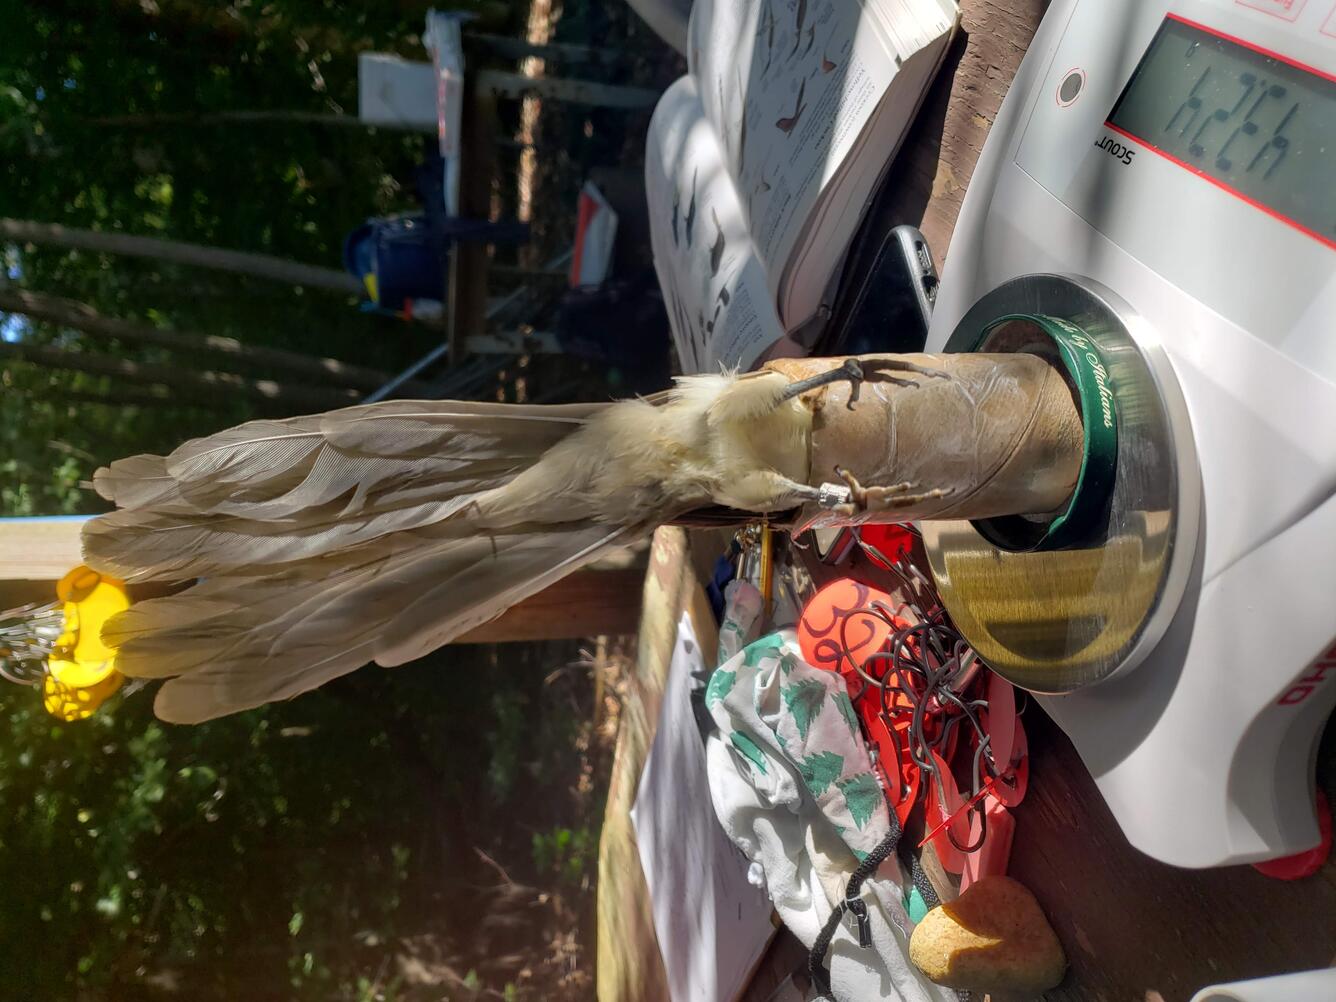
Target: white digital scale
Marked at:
1163, 177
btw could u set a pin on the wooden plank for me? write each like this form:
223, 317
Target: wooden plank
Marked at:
513, 343
629, 966
585, 604
39, 549
589, 602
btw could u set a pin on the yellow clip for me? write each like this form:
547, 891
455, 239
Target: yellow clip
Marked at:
81, 669
70, 703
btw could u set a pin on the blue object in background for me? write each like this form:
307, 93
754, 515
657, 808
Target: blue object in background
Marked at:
725, 570
397, 258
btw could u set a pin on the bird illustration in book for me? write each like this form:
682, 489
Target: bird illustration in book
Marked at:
689, 220
717, 250
769, 39
787, 124
319, 543
798, 26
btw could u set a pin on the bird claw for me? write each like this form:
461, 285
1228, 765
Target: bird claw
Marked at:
856, 373
882, 498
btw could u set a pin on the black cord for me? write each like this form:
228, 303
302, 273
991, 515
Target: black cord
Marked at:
920, 663
854, 904
925, 659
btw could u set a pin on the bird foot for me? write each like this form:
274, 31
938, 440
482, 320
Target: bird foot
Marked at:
882, 498
856, 372
851, 370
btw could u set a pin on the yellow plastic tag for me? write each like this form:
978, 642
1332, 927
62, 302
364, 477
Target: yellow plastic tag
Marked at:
70, 703
82, 669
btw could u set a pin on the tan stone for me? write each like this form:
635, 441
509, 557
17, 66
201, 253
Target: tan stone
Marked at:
993, 938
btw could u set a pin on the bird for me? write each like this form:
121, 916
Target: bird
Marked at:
786, 124
689, 219
380, 532
717, 248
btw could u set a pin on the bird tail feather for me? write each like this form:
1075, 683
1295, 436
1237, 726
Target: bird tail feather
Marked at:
326, 542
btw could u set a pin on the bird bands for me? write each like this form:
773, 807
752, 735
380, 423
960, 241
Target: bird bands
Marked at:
1088, 374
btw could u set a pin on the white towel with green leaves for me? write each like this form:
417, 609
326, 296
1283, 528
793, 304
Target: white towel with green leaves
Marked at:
794, 788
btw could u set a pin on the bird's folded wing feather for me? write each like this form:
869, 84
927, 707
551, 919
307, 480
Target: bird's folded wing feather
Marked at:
238, 643
278, 492
325, 542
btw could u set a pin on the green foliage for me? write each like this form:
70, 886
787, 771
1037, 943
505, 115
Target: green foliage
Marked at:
87, 139
286, 846
568, 854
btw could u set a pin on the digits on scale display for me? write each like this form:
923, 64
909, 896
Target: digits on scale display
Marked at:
1253, 121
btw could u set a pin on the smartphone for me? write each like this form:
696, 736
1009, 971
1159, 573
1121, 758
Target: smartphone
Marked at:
887, 309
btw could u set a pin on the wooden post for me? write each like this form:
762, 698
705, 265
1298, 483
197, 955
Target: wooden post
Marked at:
466, 278
601, 95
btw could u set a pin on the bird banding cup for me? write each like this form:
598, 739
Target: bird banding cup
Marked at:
1002, 442
1061, 598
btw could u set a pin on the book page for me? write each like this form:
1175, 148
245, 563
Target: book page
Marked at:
789, 101
720, 306
710, 947
791, 91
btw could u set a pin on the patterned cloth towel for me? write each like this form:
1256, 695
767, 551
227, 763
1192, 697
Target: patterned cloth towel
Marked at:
793, 786
769, 694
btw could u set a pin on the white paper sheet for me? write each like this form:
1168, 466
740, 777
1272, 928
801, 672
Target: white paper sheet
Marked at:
712, 925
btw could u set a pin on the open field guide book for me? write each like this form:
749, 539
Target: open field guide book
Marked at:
762, 159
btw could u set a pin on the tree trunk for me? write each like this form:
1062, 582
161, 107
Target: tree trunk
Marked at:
516, 48
80, 316
218, 383
275, 269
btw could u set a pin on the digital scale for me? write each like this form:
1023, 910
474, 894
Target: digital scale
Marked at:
1162, 178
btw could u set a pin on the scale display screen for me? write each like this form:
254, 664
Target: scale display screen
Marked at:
1250, 121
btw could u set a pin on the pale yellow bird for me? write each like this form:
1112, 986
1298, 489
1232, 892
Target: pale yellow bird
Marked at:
381, 532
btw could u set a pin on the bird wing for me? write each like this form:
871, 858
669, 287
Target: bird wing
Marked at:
272, 493
238, 643
325, 542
